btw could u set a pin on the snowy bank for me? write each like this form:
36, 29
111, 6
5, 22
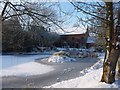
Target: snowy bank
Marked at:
60, 57
89, 78
27, 69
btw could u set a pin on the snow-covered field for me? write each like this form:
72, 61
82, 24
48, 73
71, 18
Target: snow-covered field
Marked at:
26, 69
89, 78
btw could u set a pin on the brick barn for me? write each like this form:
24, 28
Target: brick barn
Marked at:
75, 37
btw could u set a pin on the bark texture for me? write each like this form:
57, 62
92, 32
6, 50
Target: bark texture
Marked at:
109, 66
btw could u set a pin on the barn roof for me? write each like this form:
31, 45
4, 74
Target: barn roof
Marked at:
72, 31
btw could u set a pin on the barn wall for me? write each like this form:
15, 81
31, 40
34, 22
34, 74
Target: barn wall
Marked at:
73, 41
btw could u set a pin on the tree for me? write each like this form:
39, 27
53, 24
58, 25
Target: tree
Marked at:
12, 35
118, 35
112, 47
29, 35
39, 12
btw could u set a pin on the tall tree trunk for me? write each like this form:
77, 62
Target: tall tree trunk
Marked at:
118, 30
112, 50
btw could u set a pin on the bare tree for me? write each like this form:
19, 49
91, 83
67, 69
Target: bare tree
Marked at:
28, 14
112, 47
39, 12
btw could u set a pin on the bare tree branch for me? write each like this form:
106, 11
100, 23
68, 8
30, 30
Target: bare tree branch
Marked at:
87, 12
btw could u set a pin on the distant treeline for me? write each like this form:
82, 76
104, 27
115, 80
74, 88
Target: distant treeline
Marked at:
18, 38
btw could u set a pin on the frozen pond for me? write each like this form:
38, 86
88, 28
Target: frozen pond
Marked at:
7, 61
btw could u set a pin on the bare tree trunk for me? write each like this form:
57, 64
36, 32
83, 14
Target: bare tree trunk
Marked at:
109, 66
118, 30
112, 50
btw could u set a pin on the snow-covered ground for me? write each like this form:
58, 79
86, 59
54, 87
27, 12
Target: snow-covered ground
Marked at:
26, 69
89, 78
